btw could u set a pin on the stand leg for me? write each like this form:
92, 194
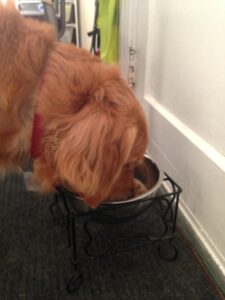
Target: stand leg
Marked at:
166, 250
76, 279
74, 282
53, 205
73, 239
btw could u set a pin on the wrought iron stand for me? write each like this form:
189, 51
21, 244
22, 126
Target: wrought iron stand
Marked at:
158, 213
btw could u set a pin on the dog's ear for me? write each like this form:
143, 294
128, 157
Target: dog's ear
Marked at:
90, 157
111, 162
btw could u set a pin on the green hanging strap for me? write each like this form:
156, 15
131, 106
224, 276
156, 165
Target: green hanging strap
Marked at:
108, 24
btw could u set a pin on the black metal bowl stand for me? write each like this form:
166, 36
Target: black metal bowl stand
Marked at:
164, 204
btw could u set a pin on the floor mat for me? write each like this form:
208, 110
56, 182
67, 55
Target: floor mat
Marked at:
35, 264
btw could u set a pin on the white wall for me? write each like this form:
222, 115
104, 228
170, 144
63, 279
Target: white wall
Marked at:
184, 96
87, 11
189, 64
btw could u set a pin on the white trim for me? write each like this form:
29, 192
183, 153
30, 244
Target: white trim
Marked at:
132, 32
202, 235
124, 25
212, 256
199, 142
213, 259
150, 40
128, 32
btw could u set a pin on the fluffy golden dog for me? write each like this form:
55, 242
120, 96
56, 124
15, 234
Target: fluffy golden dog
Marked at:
93, 130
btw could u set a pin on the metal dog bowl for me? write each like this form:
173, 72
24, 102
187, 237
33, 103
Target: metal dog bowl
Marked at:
151, 176
152, 181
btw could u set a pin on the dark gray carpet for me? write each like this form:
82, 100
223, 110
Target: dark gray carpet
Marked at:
35, 265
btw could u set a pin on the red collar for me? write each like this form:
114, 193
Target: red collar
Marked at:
35, 150
36, 137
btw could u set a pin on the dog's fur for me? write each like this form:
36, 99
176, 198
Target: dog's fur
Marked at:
94, 129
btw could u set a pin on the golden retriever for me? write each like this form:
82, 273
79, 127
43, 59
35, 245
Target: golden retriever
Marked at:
92, 129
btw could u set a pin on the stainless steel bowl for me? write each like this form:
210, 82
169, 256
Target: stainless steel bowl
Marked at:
158, 176
125, 208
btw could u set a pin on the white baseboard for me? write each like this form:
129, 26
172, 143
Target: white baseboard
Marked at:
200, 170
194, 138
201, 243
209, 254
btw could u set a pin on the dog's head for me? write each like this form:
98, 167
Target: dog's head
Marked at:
107, 137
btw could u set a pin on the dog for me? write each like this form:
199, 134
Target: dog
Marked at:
73, 114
